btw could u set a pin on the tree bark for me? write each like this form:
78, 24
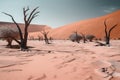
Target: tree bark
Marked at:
23, 46
108, 41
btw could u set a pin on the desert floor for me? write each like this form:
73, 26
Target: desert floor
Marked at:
61, 60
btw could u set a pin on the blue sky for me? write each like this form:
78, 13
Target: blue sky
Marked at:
56, 13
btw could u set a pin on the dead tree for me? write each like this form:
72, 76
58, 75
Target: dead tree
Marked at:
90, 37
83, 37
45, 34
108, 33
75, 37
28, 17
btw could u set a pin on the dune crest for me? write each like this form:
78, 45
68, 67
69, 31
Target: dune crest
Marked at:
91, 26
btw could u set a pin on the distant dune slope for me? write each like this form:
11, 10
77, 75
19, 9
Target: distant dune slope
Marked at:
34, 30
91, 26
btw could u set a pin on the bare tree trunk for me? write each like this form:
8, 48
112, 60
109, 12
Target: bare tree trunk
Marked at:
46, 39
77, 39
23, 46
108, 41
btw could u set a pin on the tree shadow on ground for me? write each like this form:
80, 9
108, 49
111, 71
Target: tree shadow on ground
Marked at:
16, 47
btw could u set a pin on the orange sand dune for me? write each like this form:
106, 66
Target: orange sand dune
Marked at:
92, 26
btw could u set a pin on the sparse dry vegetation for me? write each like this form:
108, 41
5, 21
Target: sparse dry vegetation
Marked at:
75, 37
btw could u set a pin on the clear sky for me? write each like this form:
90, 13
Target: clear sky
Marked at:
56, 13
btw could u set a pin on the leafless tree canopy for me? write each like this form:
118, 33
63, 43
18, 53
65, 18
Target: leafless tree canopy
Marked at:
6, 31
108, 32
90, 37
28, 17
75, 37
9, 33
